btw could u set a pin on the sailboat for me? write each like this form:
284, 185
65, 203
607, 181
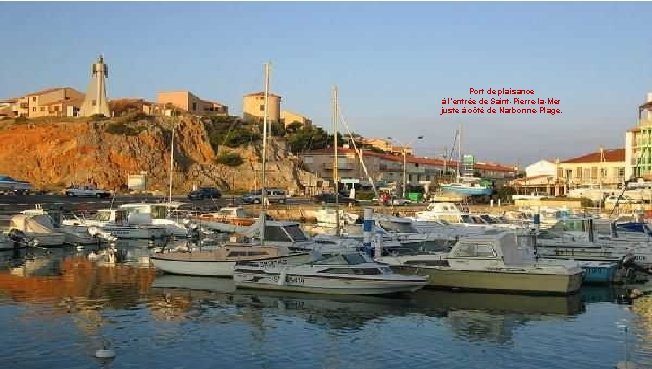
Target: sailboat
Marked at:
466, 183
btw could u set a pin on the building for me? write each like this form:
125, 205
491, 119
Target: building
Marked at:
52, 102
95, 102
288, 118
253, 107
638, 144
389, 168
601, 168
385, 145
190, 103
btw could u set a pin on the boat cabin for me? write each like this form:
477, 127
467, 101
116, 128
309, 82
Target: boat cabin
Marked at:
146, 212
499, 250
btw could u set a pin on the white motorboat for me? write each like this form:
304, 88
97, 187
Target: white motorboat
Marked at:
494, 262
112, 222
39, 228
74, 235
218, 262
351, 273
157, 214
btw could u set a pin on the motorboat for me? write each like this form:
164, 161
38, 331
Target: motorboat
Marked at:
15, 239
113, 222
157, 214
218, 262
350, 273
493, 262
39, 228
74, 235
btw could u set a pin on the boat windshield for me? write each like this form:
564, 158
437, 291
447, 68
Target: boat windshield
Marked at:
102, 216
276, 234
159, 212
399, 227
343, 259
295, 232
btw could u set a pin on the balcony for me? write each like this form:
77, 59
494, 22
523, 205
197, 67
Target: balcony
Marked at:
339, 167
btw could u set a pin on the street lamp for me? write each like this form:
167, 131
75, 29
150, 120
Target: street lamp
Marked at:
404, 151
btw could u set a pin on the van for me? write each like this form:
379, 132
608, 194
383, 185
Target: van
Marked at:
274, 195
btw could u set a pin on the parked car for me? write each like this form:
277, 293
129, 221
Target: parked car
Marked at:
87, 191
274, 195
330, 198
8, 184
400, 202
205, 193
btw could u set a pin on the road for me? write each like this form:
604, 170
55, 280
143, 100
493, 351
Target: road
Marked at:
15, 203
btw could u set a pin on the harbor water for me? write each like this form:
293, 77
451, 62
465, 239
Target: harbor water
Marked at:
57, 308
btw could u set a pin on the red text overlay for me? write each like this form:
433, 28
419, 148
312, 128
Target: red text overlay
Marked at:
500, 101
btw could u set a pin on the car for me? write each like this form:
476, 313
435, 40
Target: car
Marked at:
8, 184
274, 195
205, 193
330, 198
86, 191
400, 202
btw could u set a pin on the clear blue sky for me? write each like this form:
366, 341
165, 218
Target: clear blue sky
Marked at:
393, 62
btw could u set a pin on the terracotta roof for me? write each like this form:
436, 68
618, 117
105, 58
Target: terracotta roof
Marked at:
261, 93
415, 159
64, 101
42, 92
610, 155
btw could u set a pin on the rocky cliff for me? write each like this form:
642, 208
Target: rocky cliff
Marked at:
55, 154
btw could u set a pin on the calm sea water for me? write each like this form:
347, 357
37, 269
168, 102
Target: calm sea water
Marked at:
56, 309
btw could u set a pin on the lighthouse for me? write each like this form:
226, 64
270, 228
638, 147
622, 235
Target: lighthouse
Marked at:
95, 101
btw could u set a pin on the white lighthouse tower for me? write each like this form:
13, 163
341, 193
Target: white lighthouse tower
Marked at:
95, 101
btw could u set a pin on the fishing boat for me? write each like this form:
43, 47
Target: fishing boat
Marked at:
350, 273
51, 220
492, 262
218, 262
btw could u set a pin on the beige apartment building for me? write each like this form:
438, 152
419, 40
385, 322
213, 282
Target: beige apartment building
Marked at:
253, 107
604, 168
288, 118
52, 102
386, 146
187, 101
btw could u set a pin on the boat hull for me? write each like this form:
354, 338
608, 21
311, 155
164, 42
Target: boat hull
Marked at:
444, 277
469, 191
204, 268
334, 286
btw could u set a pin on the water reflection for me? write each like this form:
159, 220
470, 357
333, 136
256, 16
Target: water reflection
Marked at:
64, 284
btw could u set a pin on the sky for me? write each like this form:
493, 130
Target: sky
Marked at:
393, 63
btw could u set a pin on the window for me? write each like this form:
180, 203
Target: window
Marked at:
34, 109
578, 172
42, 108
33, 98
621, 172
56, 108
262, 107
194, 106
276, 234
94, 103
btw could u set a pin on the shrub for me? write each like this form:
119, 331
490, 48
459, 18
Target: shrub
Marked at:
123, 129
97, 117
21, 119
231, 159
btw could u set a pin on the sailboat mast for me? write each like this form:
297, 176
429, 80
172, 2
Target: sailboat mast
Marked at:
263, 192
174, 126
459, 152
335, 165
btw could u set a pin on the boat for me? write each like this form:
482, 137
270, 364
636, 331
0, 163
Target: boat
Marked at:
469, 186
235, 215
113, 223
491, 262
348, 273
74, 235
15, 239
157, 214
39, 228
218, 262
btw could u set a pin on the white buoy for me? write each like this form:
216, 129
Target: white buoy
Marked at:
104, 353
